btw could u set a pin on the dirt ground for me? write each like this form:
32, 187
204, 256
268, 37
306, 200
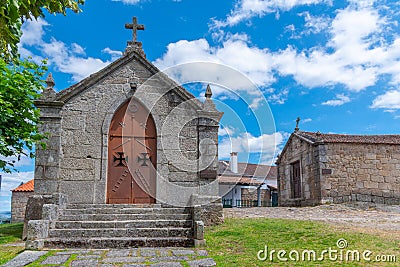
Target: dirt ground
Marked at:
382, 220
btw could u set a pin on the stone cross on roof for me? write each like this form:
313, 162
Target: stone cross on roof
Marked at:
134, 26
297, 124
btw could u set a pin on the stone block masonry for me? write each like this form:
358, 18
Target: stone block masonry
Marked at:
340, 168
126, 135
18, 204
362, 172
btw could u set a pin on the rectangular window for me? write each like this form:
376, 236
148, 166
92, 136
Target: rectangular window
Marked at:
296, 180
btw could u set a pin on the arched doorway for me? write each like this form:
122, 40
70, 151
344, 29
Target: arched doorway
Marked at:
132, 151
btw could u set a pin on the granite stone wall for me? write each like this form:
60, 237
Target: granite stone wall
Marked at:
340, 172
77, 119
251, 195
309, 156
361, 172
18, 204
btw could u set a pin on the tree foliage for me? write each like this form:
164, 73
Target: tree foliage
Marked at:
20, 86
14, 12
21, 80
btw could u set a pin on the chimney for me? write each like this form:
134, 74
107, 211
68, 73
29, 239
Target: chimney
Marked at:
234, 162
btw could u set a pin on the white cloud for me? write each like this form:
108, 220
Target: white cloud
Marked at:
65, 58
23, 161
77, 49
340, 100
235, 52
115, 54
278, 98
318, 68
225, 130
306, 120
315, 24
390, 100
246, 9
9, 182
362, 3
355, 55
266, 145
361, 45
33, 32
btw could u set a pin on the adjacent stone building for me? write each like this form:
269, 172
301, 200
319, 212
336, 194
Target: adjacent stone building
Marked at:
316, 168
243, 184
19, 198
126, 135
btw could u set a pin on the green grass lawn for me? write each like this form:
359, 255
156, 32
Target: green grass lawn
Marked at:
10, 233
237, 242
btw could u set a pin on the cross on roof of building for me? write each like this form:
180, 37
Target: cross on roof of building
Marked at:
134, 26
297, 124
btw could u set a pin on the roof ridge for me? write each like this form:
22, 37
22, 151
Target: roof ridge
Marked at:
350, 138
25, 187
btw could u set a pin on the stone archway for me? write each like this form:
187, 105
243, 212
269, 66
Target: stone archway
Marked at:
132, 152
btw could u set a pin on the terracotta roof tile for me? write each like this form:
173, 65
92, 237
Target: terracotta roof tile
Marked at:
346, 138
26, 187
238, 180
248, 170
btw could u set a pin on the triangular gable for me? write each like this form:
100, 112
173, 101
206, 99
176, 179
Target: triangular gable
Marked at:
67, 94
290, 140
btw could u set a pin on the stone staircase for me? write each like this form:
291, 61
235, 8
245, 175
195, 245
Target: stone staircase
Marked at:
119, 226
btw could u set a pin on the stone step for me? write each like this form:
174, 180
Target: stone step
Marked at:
121, 232
121, 242
124, 210
122, 224
117, 206
123, 217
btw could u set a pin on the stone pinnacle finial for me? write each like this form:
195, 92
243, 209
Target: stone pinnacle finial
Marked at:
50, 81
208, 92
48, 93
297, 124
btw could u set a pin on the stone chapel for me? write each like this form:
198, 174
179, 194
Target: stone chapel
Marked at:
131, 160
318, 168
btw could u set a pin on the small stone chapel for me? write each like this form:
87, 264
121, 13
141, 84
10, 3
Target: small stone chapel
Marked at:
319, 168
131, 160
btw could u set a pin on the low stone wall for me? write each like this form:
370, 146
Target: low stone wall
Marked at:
18, 205
249, 194
211, 214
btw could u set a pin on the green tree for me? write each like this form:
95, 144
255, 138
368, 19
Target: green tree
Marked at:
21, 80
20, 85
14, 12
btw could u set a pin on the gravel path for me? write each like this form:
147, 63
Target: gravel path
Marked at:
385, 219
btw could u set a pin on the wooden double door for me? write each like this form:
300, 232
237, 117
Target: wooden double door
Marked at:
132, 151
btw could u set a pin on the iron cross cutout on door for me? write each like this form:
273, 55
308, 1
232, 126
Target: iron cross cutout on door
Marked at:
120, 159
145, 157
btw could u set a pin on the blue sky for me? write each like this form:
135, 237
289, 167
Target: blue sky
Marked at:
336, 64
